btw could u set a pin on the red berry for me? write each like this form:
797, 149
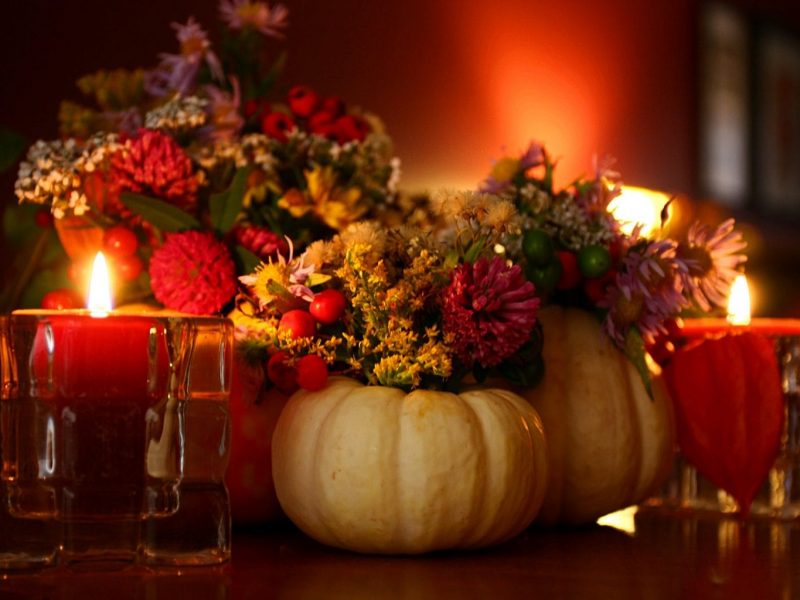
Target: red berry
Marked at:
597, 287
280, 374
255, 108
321, 123
43, 219
128, 268
61, 299
328, 306
312, 373
277, 125
332, 105
570, 274
302, 100
299, 323
349, 128
119, 241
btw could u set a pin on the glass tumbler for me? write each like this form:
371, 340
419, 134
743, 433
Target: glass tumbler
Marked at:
93, 431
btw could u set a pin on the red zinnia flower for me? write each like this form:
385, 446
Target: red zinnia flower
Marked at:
192, 272
261, 241
153, 163
490, 310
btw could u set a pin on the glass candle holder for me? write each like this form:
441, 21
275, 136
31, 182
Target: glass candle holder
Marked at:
94, 435
779, 495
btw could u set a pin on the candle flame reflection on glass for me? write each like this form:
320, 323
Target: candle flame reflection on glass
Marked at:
739, 302
99, 303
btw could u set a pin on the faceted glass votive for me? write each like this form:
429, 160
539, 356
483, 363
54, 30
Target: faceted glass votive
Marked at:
779, 495
95, 423
198, 532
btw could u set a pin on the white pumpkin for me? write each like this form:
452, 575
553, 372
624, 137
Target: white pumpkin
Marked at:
610, 445
378, 470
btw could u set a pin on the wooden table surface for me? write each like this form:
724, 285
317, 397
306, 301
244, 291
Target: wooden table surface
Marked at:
666, 557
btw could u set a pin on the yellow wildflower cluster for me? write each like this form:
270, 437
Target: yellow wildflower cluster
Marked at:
391, 280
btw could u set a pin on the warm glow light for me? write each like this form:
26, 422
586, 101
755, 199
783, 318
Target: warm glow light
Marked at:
640, 206
624, 520
100, 288
739, 302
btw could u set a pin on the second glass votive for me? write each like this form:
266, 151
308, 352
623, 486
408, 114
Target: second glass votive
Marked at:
779, 495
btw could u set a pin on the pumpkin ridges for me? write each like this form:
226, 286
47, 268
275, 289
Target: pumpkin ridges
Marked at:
442, 494
350, 489
298, 421
656, 442
435, 515
599, 462
553, 385
514, 509
597, 365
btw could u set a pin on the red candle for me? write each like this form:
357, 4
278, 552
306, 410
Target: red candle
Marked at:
92, 411
739, 320
714, 327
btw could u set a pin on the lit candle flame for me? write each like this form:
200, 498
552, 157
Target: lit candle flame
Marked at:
739, 302
638, 206
99, 304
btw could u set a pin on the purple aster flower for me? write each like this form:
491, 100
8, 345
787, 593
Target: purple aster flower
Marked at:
606, 186
504, 170
226, 121
647, 291
711, 260
241, 14
533, 157
178, 72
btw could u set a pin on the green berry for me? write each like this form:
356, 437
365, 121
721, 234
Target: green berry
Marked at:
594, 261
544, 278
538, 247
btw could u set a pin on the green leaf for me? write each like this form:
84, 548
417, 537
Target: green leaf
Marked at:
247, 260
164, 216
635, 351
317, 279
11, 147
474, 250
226, 206
272, 75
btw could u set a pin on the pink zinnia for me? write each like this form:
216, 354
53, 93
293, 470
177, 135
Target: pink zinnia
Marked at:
192, 272
153, 163
490, 310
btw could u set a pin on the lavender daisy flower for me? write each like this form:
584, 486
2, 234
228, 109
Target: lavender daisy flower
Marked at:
241, 14
178, 72
711, 260
647, 291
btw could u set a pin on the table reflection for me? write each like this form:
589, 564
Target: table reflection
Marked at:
651, 556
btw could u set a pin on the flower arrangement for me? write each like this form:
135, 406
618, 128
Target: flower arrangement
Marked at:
424, 309
575, 251
396, 307
192, 172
